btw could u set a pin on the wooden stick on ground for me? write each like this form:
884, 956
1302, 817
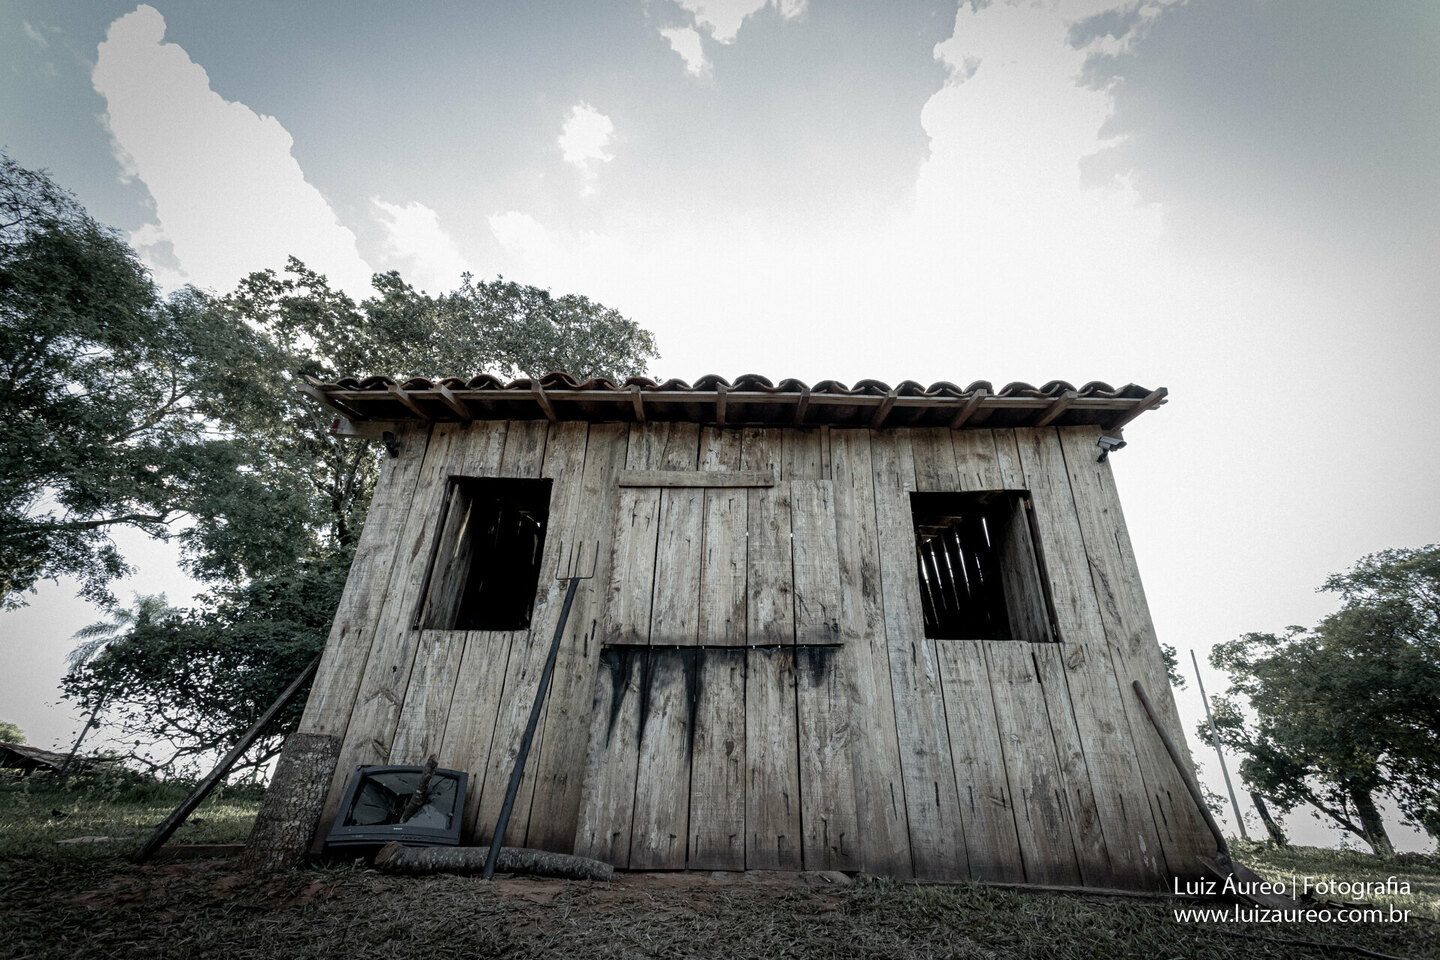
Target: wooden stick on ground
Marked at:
411, 861
202, 789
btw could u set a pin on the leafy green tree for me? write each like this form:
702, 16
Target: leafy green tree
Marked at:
11, 733
108, 394
277, 547
178, 685
1346, 712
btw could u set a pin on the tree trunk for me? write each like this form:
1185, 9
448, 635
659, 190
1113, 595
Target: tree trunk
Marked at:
470, 861
1271, 827
1371, 822
291, 809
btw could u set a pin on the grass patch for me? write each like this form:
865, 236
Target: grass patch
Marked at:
38, 813
1420, 870
86, 901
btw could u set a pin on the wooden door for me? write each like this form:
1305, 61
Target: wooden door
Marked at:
720, 735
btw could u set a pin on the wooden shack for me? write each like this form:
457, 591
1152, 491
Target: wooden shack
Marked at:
864, 628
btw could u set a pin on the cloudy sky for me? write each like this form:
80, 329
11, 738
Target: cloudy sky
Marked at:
1236, 199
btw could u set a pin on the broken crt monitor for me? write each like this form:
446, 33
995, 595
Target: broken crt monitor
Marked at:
376, 808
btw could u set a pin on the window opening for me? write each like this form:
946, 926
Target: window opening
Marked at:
980, 567
486, 563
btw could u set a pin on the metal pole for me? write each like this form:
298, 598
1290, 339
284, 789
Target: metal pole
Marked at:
1215, 740
519, 771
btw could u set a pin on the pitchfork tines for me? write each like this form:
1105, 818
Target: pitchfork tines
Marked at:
570, 560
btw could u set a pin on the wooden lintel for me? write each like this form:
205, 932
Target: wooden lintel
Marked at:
721, 392
1150, 399
544, 400
970, 406
883, 410
801, 406
639, 404
320, 396
608, 645
447, 396
695, 478
1056, 408
409, 402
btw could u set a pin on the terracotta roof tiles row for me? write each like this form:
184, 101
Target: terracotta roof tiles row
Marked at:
748, 399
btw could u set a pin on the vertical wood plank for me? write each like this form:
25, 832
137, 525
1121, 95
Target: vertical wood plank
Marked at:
607, 803
1036, 786
533, 448
560, 768
1135, 649
717, 772
662, 789
816, 561
874, 747
770, 612
632, 561
392, 652
1083, 815
337, 680
945, 461
427, 698
675, 609
937, 841
772, 794
717, 763
470, 725
662, 785
986, 805
831, 838
607, 809
434, 679
722, 570
1117, 776
977, 464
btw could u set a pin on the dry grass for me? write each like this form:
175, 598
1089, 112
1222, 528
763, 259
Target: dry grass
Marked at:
86, 901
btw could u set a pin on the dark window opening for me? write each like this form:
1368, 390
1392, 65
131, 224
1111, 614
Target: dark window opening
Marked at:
486, 563
980, 568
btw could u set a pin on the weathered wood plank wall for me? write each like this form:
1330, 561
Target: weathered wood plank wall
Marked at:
746, 682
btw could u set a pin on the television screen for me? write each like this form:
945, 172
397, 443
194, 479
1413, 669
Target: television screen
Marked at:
378, 808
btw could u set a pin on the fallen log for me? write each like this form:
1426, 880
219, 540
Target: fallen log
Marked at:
413, 861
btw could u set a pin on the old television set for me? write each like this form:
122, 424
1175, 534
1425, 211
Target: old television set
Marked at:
377, 800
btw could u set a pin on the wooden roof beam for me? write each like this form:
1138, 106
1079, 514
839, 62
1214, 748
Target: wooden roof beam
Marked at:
409, 402
447, 396
801, 406
1056, 408
721, 393
543, 400
324, 399
1149, 400
884, 409
968, 409
638, 402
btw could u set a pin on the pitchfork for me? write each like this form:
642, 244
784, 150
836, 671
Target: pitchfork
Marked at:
571, 561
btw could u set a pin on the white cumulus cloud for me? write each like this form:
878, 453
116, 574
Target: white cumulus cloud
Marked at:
423, 252
583, 140
724, 17
686, 42
229, 197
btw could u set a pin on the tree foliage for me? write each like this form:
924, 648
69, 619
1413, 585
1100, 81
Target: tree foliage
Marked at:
1346, 712
108, 394
181, 417
11, 733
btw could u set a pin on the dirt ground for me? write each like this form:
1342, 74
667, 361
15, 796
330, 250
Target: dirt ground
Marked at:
203, 909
